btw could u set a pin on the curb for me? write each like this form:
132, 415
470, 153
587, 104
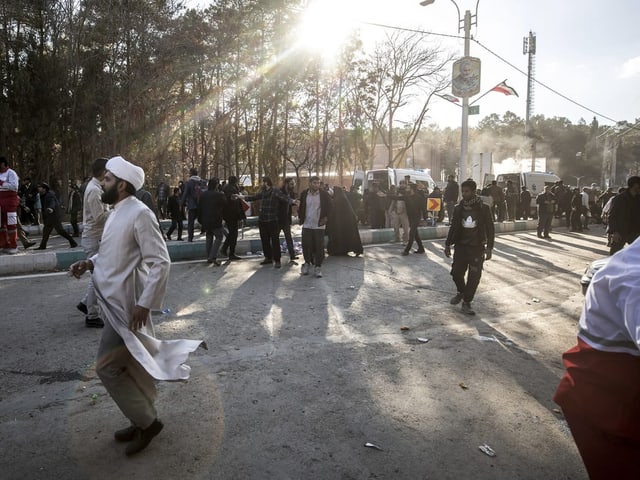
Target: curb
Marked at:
180, 251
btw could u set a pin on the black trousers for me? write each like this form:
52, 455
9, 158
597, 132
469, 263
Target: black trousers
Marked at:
286, 229
175, 223
192, 214
544, 223
414, 235
73, 220
471, 259
231, 240
49, 227
270, 238
313, 246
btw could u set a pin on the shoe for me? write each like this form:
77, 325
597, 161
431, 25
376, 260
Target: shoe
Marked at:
10, 251
73, 245
216, 262
142, 437
317, 272
420, 250
224, 251
168, 238
93, 322
266, 261
295, 257
126, 434
456, 299
405, 253
40, 248
82, 307
234, 257
539, 235
547, 237
29, 244
304, 270
277, 264
179, 240
466, 309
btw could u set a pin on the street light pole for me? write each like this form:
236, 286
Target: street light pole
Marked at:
464, 24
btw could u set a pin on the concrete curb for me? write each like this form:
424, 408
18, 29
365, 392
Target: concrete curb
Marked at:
179, 251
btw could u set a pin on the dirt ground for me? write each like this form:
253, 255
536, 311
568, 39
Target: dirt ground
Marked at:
302, 372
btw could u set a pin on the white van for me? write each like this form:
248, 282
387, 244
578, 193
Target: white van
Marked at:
534, 181
386, 177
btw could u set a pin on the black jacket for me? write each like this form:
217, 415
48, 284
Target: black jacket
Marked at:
325, 205
233, 210
484, 230
210, 209
624, 216
49, 201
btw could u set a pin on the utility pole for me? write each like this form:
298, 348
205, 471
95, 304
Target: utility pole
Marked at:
464, 134
529, 47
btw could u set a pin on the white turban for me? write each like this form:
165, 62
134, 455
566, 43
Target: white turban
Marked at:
126, 171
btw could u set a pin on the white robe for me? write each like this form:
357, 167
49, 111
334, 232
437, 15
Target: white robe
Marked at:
132, 268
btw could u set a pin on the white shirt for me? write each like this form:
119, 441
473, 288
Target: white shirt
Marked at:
94, 211
610, 320
10, 180
312, 215
585, 199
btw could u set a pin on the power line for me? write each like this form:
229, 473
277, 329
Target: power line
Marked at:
499, 57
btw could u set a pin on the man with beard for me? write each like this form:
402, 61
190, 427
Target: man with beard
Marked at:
9, 202
52, 216
94, 216
130, 273
472, 233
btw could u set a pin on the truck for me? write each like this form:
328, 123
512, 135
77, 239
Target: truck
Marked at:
534, 181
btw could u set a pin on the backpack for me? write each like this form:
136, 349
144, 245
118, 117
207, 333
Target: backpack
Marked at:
197, 191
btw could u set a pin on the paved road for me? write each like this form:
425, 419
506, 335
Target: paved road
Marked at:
302, 372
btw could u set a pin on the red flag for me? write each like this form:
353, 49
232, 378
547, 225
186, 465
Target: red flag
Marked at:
502, 87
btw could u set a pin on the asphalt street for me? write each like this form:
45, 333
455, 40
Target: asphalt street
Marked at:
302, 372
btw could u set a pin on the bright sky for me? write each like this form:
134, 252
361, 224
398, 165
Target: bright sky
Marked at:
589, 50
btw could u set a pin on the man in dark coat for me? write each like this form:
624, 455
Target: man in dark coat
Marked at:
546, 202
175, 214
75, 207
284, 216
524, 203
51, 214
472, 233
313, 213
190, 198
375, 206
233, 214
624, 216
451, 194
210, 211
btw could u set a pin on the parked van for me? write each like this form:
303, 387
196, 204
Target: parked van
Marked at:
534, 181
386, 177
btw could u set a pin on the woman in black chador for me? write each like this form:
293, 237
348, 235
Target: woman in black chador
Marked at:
342, 227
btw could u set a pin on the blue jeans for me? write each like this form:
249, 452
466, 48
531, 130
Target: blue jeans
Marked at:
213, 247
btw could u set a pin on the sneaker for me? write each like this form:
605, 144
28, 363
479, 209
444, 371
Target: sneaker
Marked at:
82, 307
466, 309
420, 250
456, 299
29, 244
317, 272
305, 269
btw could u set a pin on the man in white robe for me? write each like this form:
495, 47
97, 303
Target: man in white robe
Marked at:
130, 273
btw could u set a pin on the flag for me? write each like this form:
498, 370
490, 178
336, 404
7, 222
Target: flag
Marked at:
450, 98
502, 87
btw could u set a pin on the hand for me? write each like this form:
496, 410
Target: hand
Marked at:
79, 268
487, 254
49, 210
139, 318
322, 221
447, 251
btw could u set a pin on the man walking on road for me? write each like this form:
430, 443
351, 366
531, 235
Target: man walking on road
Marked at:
451, 194
472, 233
9, 202
94, 216
51, 214
190, 198
130, 271
624, 216
546, 203
210, 208
233, 215
313, 213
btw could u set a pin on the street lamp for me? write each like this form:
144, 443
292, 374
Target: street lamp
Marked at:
464, 24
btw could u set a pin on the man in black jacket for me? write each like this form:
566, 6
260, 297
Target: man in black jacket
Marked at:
51, 215
546, 205
624, 216
313, 212
210, 210
451, 194
233, 214
472, 233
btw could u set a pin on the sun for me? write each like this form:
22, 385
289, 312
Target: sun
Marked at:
326, 25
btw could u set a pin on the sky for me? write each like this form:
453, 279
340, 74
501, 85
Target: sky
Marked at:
588, 50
